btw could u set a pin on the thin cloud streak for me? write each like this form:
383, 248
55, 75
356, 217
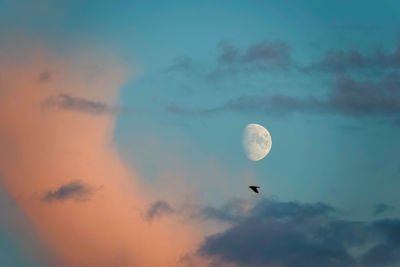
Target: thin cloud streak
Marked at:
68, 102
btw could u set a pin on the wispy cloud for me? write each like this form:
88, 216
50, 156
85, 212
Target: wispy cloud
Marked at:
184, 63
68, 102
347, 97
259, 55
232, 211
174, 108
268, 55
158, 209
228, 53
336, 60
232, 60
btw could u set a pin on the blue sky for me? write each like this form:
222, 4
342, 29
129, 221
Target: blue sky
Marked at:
329, 157
190, 106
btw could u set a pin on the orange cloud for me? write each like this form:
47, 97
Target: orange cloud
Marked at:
94, 213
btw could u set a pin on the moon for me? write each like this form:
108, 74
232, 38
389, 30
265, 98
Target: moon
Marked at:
257, 141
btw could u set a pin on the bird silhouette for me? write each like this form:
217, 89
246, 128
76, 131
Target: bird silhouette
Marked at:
254, 188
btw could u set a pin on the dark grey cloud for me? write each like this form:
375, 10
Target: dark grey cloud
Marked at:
269, 243
352, 59
74, 190
387, 251
289, 234
380, 208
158, 209
381, 255
68, 102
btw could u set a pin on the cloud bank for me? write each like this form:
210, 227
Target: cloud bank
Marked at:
289, 234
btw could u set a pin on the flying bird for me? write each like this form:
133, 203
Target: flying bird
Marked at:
254, 188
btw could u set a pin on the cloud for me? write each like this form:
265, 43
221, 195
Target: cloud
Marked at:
173, 108
261, 56
233, 211
366, 97
268, 53
158, 209
238, 209
68, 102
347, 96
291, 210
231, 60
387, 251
338, 60
258, 55
73, 190
342, 60
218, 214
297, 234
273, 244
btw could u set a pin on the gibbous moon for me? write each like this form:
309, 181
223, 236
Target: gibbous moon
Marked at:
257, 141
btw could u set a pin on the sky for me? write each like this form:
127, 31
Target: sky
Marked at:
121, 126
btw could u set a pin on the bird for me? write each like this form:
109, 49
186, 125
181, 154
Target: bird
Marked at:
254, 188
